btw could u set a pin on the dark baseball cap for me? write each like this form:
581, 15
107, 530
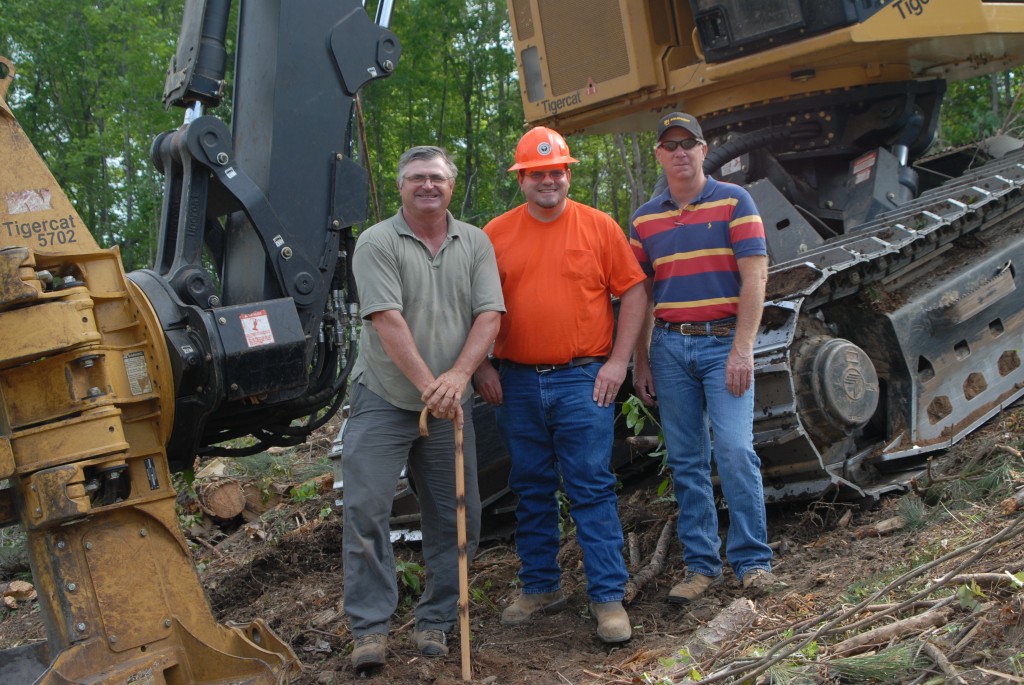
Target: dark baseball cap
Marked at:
687, 122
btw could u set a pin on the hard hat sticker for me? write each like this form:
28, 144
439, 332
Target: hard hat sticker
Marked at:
544, 148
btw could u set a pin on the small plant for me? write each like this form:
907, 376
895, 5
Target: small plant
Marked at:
479, 595
187, 504
886, 666
682, 658
970, 596
410, 575
913, 510
1017, 664
638, 417
866, 587
306, 492
566, 525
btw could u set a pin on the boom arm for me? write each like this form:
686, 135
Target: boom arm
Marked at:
273, 202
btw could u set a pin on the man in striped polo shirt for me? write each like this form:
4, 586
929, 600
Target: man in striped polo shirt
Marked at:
701, 244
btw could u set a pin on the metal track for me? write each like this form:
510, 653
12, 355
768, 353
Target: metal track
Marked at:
928, 295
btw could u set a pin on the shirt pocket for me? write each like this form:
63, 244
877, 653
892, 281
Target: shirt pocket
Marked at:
580, 265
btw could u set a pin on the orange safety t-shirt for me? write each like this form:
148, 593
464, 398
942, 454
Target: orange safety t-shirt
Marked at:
556, 278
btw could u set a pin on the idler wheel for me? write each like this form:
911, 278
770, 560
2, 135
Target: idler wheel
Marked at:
843, 388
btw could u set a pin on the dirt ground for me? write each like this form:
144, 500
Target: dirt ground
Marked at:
829, 558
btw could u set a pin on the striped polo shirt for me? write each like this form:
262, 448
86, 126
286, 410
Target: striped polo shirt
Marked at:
691, 251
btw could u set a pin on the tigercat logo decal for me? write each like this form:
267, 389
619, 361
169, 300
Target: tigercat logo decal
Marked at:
910, 8
555, 106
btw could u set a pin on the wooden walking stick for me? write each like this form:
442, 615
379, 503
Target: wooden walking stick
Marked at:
460, 526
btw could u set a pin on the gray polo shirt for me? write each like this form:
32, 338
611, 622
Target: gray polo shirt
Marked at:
439, 296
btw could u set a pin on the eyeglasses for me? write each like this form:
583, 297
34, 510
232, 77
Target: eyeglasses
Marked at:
672, 145
420, 179
538, 176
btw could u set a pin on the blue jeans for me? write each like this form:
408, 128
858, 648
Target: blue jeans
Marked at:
689, 377
555, 432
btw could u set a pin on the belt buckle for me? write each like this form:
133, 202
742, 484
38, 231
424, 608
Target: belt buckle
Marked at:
541, 368
689, 329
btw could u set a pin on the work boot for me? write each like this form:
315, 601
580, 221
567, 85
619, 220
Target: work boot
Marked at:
369, 651
430, 642
612, 621
758, 581
692, 586
525, 606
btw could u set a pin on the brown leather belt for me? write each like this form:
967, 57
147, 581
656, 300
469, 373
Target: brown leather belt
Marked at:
572, 363
719, 329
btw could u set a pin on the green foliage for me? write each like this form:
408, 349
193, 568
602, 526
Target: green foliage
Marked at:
887, 666
13, 554
638, 418
410, 575
981, 107
683, 658
90, 80
970, 596
1016, 663
865, 587
566, 525
914, 512
989, 476
480, 595
305, 492
87, 91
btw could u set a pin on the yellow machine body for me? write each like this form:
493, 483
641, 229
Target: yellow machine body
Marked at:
600, 66
86, 405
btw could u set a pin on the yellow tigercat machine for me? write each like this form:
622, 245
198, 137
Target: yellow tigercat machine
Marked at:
895, 321
107, 377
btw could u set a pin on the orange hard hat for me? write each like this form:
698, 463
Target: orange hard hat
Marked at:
539, 147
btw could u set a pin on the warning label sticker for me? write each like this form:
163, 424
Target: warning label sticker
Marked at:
138, 373
862, 167
256, 327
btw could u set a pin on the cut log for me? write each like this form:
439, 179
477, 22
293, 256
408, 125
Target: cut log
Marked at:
1012, 503
726, 626
18, 589
885, 527
880, 636
261, 499
221, 498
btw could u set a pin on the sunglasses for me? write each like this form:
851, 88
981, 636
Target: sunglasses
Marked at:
672, 145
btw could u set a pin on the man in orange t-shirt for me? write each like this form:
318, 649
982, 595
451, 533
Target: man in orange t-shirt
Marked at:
558, 373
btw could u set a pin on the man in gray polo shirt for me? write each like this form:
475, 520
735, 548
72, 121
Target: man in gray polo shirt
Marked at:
431, 305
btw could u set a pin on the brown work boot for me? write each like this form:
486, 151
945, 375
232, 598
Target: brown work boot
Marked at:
369, 651
525, 606
691, 587
430, 642
612, 622
758, 581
